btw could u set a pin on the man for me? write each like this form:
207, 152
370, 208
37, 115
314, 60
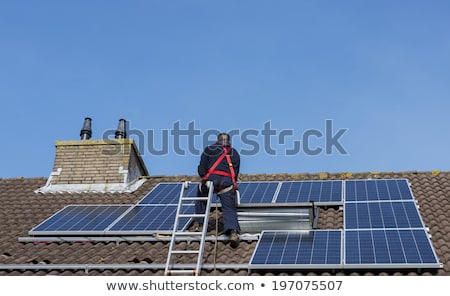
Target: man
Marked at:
220, 163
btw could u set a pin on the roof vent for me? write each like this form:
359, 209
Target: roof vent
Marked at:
86, 131
121, 132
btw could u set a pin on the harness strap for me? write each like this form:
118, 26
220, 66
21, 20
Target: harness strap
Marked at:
213, 170
215, 164
233, 174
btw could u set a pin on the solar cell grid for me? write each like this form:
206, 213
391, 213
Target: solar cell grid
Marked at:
398, 214
293, 249
80, 219
163, 193
144, 219
326, 192
257, 192
377, 190
389, 248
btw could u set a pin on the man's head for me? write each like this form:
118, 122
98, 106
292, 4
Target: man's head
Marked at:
223, 139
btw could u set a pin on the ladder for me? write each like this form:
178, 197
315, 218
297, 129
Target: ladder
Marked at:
188, 250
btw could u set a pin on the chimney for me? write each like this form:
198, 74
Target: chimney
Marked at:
86, 131
104, 165
121, 132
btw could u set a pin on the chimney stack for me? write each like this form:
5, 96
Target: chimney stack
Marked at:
86, 131
101, 165
121, 132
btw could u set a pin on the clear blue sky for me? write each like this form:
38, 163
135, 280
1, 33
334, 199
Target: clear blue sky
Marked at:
275, 72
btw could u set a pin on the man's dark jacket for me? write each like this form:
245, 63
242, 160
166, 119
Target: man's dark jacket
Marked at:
210, 156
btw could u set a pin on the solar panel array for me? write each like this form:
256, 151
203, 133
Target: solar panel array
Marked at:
75, 219
154, 213
382, 229
111, 220
382, 223
324, 192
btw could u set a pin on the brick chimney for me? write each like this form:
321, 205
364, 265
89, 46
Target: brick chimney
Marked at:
107, 165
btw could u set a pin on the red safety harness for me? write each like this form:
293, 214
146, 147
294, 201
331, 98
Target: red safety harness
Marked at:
231, 174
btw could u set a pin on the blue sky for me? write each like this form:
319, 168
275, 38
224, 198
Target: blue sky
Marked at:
274, 72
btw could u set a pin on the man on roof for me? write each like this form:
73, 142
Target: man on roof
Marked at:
219, 163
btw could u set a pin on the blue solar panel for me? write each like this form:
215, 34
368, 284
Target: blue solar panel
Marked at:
296, 249
75, 219
169, 193
257, 192
163, 193
397, 214
389, 248
250, 192
325, 192
148, 219
377, 190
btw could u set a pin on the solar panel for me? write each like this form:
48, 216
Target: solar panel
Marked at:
169, 193
163, 193
377, 190
397, 214
149, 219
77, 219
321, 192
389, 248
297, 249
250, 192
257, 192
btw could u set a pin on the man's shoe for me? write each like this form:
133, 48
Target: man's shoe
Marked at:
197, 227
234, 239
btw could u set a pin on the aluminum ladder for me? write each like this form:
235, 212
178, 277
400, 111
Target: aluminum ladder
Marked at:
179, 250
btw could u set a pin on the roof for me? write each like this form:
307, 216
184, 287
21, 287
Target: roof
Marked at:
22, 209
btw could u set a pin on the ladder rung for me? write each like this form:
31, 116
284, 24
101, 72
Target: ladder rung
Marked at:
185, 251
187, 233
191, 215
195, 198
182, 271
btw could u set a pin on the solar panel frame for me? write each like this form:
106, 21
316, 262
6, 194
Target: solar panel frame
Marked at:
389, 248
297, 249
81, 220
304, 192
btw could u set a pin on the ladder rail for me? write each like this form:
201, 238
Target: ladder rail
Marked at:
175, 228
205, 226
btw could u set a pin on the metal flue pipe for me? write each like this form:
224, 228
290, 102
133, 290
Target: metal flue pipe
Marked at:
86, 131
121, 132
